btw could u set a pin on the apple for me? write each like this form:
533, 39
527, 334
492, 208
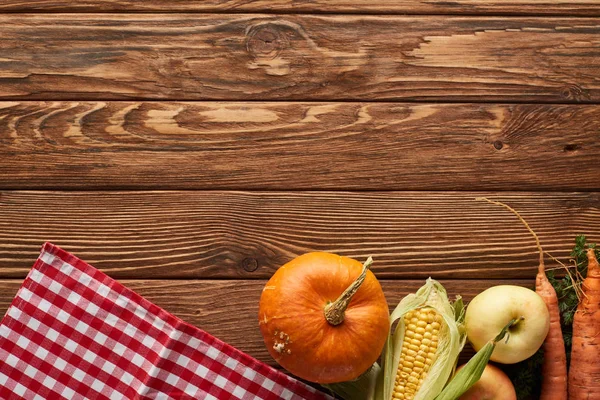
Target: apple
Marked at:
494, 308
493, 385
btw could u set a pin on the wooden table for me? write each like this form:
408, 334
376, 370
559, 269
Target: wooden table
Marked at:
189, 148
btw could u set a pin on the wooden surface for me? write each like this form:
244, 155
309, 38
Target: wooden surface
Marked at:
300, 57
460, 7
230, 235
189, 148
283, 146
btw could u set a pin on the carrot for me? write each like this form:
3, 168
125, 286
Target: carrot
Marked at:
584, 373
554, 366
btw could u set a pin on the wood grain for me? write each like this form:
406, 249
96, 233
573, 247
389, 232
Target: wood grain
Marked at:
215, 234
298, 57
287, 146
229, 309
513, 7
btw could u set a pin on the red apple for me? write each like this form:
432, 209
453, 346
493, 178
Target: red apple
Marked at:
493, 385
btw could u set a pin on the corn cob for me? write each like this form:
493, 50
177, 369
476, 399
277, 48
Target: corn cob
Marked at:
419, 351
421, 354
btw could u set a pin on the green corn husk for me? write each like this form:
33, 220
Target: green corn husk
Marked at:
472, 371
362, 388
451, 340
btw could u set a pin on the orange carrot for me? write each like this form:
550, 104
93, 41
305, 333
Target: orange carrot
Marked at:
554, 366
584, 373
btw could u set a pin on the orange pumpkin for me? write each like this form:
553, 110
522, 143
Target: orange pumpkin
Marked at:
324, 317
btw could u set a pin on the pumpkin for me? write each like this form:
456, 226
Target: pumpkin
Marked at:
324, 317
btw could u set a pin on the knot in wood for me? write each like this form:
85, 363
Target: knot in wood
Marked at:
571, 147
575, 92
266, 41
250, 264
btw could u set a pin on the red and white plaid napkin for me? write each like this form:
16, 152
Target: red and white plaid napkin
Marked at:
72, 332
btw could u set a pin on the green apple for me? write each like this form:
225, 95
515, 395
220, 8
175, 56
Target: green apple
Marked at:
493, 385
494, 308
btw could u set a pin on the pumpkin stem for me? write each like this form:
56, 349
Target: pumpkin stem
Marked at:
334, 312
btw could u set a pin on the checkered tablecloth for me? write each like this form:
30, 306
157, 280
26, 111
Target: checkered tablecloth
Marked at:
72, 332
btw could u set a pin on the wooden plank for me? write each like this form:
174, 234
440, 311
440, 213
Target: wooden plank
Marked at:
283, 146
513, 7
229, 309
216, 234
298, 57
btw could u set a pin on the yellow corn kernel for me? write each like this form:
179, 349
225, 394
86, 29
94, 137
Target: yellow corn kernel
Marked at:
430, 317
418, 353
